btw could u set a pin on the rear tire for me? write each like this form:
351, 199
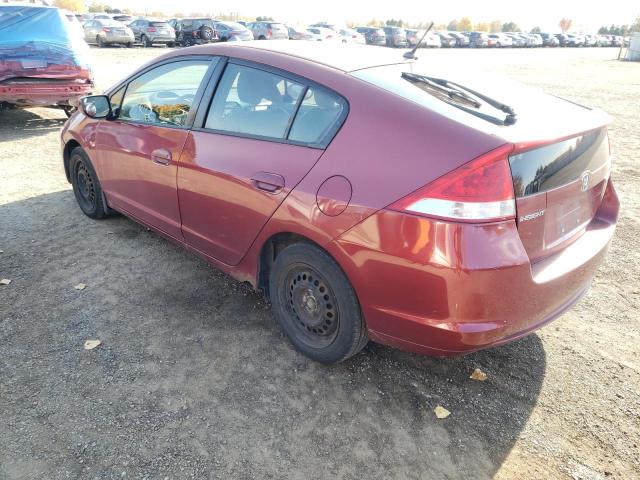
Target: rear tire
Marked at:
315, 304
145, 41
100, 42
86, 186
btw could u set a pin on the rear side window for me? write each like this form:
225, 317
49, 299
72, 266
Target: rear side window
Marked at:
319, 117
253, 102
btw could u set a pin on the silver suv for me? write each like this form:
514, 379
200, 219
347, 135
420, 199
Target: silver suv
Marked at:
269, 31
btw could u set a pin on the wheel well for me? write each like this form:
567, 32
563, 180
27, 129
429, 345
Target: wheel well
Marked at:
66, 155
271, 249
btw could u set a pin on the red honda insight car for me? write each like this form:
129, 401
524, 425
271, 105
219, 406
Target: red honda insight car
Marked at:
369, 196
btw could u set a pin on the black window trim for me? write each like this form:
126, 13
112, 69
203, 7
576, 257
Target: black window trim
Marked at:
214, 60
207, 102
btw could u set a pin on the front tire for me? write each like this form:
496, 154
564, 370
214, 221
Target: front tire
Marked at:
86, 186
315, 304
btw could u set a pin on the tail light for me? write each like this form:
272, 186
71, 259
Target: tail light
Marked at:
269, 32
478, 191
151, 29
106, 30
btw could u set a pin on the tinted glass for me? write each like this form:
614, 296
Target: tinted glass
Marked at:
159, 24
165, 94
552, 166
318, 118
253, 102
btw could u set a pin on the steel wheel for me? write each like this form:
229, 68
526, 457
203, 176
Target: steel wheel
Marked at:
86, 186
312, 306
315, 304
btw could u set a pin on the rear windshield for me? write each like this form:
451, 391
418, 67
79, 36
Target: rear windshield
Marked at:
159, 24
543, 169
277, 26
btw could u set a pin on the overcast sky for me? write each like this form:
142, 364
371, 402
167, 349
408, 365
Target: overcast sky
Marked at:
587, 15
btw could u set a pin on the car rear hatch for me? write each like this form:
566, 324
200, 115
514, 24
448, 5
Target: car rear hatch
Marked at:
160, 28
558, 188
38, 44
278, 30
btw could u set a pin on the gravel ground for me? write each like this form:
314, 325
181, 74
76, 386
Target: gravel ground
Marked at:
194, 380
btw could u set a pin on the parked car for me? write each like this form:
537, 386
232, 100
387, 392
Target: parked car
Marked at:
300, 33
395, 37
43, 61
575, 40
269, 31
148, 32
431, 39
478, 39
195, 31
461, 39
349, 35
517, 40
446, 39
373, 35
108, 32
246, 148
231, 31
500, 40
539, 42
563, 39
325, 34
549, 40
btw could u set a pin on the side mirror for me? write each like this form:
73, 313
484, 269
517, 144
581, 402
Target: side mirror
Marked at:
96, 106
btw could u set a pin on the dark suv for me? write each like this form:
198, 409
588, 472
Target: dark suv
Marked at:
373, 35
195, 31
147, 32
478, 39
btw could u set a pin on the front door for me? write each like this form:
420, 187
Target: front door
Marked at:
140, 149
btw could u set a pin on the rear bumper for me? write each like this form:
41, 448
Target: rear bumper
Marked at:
118, 39
44, 94
441, 288
161, 38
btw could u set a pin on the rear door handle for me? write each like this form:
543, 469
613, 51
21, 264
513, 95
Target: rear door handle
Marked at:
161, 156
269, 182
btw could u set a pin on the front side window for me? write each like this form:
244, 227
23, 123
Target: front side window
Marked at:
164, 95
116, 99
253, 102
318, 118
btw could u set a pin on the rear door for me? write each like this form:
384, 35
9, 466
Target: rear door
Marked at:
262, 134
140, 149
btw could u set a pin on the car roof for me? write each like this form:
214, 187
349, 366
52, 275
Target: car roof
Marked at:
341, 57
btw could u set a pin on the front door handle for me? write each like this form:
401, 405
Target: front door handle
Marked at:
269, 182
161, 156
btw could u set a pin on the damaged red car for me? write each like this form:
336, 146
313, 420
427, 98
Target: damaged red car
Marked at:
43, 59
372, 197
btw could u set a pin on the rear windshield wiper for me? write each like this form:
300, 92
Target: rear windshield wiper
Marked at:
462, 97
